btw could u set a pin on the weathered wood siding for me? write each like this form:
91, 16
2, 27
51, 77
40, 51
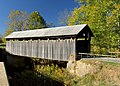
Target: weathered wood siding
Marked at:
48, 49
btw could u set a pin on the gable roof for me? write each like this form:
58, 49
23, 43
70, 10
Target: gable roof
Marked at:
48, 32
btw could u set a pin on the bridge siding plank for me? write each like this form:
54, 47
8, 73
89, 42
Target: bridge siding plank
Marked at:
48, 49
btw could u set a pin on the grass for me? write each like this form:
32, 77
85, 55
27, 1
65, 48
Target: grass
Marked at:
107, 75
112, 63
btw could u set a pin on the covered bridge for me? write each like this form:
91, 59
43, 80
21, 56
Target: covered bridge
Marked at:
57, 43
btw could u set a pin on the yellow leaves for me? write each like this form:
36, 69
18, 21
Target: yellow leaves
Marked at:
101, 16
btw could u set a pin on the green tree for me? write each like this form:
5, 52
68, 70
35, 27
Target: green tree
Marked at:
50, 25
20, 20
103, 18
17, 20
7, 32
36, 21
1, 38
63, 16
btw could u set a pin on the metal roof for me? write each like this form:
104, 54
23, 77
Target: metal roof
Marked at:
48, 32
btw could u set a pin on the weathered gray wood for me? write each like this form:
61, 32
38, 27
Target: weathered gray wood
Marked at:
49, 49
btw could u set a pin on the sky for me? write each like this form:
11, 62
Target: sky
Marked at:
49, 9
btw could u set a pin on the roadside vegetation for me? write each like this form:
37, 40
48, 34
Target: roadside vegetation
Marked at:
102, 17
2, 45
108, 75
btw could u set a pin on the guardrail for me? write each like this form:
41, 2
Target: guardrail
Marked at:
115, 53
90, 55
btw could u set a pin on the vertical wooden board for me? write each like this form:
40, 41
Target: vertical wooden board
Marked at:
61, 50
13, 47
42, 43
23, 48
30, 50
33, 48
10, 47
33, 51
46, 50
37, 48
6, 45
18, 48
74, 47
26, 45
54, 51
64, 50
67, 45
51, 49
49, 54
58, 49
51, 45
40, 48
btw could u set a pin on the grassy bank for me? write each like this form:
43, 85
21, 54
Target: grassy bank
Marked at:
108, 74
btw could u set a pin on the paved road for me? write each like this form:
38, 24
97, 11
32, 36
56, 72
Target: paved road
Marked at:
105, 59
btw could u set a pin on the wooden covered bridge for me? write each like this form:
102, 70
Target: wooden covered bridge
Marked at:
57, 43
